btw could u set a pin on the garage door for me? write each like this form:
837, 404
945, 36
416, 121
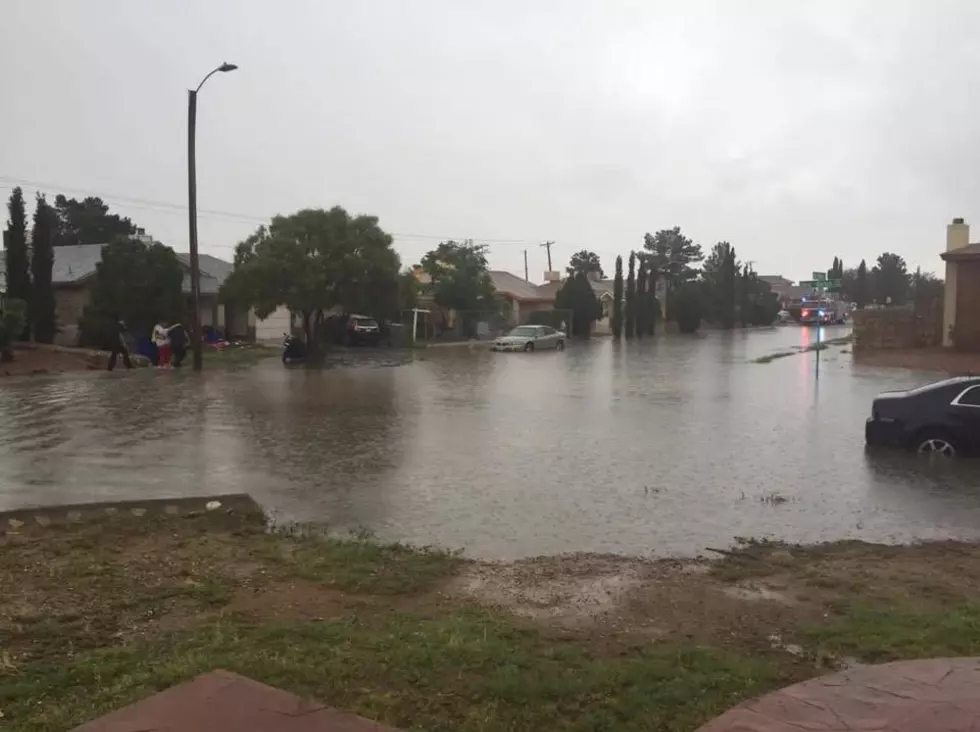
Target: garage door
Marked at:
270, 330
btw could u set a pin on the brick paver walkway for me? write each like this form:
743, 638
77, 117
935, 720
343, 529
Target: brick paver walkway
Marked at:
934, 695
221, 701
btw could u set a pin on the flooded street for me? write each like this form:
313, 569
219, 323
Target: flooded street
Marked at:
655, 447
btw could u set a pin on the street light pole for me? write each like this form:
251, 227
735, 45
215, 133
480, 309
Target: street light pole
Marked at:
196, 335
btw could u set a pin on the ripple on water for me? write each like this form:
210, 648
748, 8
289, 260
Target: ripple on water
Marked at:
653, 447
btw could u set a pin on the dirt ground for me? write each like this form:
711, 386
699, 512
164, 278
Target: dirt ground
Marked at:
96, 615
924, 359
44, 359
759, 591
752, 592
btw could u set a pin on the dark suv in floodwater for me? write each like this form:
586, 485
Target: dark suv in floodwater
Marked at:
940, 419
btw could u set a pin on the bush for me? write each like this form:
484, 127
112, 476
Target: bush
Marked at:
13, 319
552, 318
688, 307
764, 311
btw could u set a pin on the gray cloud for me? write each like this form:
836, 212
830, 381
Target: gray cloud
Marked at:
796, 131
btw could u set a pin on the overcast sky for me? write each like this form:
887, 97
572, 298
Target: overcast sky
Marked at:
796, 130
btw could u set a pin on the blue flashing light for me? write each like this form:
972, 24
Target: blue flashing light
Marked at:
820, 313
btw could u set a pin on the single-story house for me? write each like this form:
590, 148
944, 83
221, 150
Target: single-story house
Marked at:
74, 268
521, 296
961, 303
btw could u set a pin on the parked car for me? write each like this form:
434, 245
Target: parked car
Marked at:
530, 338
940, 419
363, 331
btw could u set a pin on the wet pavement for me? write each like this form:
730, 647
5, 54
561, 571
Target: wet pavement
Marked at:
653, 447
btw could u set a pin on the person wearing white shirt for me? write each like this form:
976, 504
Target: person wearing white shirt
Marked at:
161, 340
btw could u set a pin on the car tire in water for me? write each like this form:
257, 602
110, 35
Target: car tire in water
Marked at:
529, 348
560, 346
935, 443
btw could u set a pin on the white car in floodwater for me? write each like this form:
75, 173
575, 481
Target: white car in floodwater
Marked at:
530, 338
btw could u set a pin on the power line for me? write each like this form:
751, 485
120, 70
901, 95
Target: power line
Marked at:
167, 207
174, 208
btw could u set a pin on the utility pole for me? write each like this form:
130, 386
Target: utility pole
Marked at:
196, 334
547, 245
526, 278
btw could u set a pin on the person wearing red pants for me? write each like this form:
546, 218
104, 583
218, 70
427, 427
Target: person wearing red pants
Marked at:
161, 340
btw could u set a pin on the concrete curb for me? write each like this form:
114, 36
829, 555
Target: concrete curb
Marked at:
235, 503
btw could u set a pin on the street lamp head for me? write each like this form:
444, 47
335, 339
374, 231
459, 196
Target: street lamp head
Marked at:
227, 67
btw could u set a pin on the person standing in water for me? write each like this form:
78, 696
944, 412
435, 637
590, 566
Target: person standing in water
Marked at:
178, 343
117, 341
162, 342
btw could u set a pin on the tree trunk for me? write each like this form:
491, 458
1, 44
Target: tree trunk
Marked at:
308, 332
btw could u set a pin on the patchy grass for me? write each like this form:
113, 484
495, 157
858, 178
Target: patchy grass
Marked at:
774, 356
98, 615
821, 346
773, 498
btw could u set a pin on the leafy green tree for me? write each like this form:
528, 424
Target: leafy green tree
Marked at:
759, 305
42, 261
687, 304
718, 276
848, 283
890, 279
313, 261
576, 294
89, 222
13, 320
631, 297
744, 278
673, 255
640, 307
862, 286
618, 295
16, 255
927, 289
408, 291
652, 304
584, 262
135, 281
459, 279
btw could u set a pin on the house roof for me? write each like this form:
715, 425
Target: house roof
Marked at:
970, 251
76, 263
603, 287
214, 272
510, 284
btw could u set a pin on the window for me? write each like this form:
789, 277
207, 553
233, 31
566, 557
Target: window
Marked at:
969, 398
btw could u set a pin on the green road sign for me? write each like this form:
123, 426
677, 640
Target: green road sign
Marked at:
823, 284
819, 276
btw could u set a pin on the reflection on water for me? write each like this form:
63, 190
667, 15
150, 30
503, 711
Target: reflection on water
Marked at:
663, 446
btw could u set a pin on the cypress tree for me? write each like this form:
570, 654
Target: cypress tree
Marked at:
653, 307
15, 253
631, 297
42, 261
640, 299
617, 311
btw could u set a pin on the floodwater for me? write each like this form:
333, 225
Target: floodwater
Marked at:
662, 446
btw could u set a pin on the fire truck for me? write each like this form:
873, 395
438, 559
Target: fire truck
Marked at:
823, 311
